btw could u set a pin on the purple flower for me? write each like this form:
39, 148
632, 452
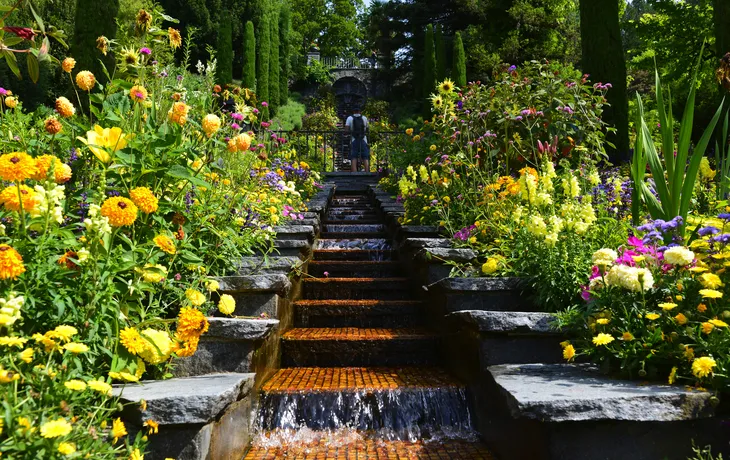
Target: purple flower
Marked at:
710, 230
724, 238
235, 126
326, 274
518, 118
460, 104
145, 50
724, 216
179, 78
525, 112
237, 116
256, 111
512, 68
264, 104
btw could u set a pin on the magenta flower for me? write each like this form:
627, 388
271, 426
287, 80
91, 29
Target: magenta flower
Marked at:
145, 50
326, 274
264, 104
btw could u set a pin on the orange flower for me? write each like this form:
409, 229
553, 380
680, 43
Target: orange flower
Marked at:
43, 166
53, 126
62, 173
119, 210
85, 80
165, 243
138, 93
178, 113
145, 200
9, 198
11, 263
191, 323
17, 166
68, 64
174, 36
64, 107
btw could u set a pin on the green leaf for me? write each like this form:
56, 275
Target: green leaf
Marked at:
34, 70
37, 18
12, 62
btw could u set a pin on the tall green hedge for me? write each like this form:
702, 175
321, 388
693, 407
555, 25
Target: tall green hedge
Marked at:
274, 63
224, 54
429, 69
284, 53
458, 70
249, 57
440, 54
262, 61
93, 19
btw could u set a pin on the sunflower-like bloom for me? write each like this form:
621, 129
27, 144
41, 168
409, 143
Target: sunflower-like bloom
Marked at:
145, 200
446, 86
52, 125
85, 80
55, 428
102, 44
173, 35
144, 20
9, 198
178, 113
68, 64
131, 340
702, 367
191, 323
64, 107
138, 93
165, 243
102, 140
211, 124
130, 56
119, 210
43, 166
16, 166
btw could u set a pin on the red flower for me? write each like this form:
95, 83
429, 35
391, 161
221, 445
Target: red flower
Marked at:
22, 32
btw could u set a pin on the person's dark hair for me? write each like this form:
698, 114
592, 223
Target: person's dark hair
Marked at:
356, 109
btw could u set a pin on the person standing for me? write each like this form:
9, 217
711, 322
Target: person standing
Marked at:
357, 126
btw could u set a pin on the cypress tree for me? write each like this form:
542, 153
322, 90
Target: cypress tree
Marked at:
249, 57
721, 12
458, 71
274, 64
224, 54
284, 52
440, 54
429, 63
93, 19
262, 61
603, 59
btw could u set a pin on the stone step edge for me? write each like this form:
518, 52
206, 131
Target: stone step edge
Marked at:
393, 335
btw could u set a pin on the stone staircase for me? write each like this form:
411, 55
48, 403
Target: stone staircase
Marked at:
361, 376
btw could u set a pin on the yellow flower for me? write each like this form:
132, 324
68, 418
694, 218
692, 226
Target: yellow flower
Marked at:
66, 448
8, 376
211, 123
666, 306
173, 35
710, 293
672, 376
432, 148
62, 332
212, 285
64, 107
701, 308
144, 199
446, 86
138, 93
652, 316
119, 210
627, 336
55, 428
165, 243
131, 340
490, 266
710, 281
12, 341
178, 113
75, 385
76, 348
603, 321
191, 323
227, 304
101, 141
11, 263
243, 142
118, 429
569, 352
44, 164
10, 199
152, 427
689, 353
85, 80
26, 355
718, 323
100, 386
136, 455
707, 327
16, 166
702, 367
102, 44
11, 102
681, 319
160, 346
195, 297
68, 64
602, 339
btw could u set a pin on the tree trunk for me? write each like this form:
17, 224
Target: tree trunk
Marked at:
603, 59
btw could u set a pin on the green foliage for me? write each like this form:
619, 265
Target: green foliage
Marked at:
704, 453
317, 73
224, 53
429, 64
263, 60
323, 120
289, 116
94, 19
440, 53
249, 58
285, 52
458, 70
274, 64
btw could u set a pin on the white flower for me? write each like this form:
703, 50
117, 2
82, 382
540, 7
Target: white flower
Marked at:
604, 256
631, 278
82, 255
551, 239
679, 255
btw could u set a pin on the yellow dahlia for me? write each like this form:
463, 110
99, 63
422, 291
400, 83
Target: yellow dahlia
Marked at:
62, 173
165, 243
68, 64
9, 198
191, 323
145, 200
195, 297
119, 210
243, 142
64, 107
138, 93
16, 166
43, 166
85, 80
11, 263
55, 428
211, 124
227, 304
702, 367
178, 113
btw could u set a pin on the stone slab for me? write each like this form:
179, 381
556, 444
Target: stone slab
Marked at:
419, 229
240, 329
289, 244
421, 243
568, 392
274, 282
186, 400
452, 254
481, 284
256, 265
522, 322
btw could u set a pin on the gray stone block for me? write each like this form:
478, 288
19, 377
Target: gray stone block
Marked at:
254, 304
242, 329
570, 393
481, 284
451, 254
504, 322
274, 282
180, 401
294, 232
260, 265
421, 243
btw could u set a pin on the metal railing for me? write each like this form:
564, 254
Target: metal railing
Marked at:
349, 63
332, 148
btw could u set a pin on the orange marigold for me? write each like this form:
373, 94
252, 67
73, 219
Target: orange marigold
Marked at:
65, 259
119, 210
68, 64
186, 347
178, 113
62, 173
17, 166
138, 93
11, 264
191, 323
85, 80
64, 107
9, 198
165, 243
145, 200
43, 166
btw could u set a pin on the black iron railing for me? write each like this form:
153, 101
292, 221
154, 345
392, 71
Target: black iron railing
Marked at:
330, 150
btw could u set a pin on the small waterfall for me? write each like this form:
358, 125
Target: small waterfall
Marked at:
354, 243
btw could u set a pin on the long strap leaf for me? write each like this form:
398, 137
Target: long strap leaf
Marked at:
657, 170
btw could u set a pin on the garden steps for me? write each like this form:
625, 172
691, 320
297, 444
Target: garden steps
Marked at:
355, 269
358, 313
356, 288
354, 254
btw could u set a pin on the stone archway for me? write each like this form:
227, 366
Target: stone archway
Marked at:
350, 92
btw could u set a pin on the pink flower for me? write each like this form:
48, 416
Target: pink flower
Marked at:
235, 126
326, 274
264, 104
146, 51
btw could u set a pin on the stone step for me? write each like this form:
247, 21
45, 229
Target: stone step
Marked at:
358, 313
356, 288
409, 402
354, 235
352, 346
372, 449
353, 242
349, 208
340, 218
354, 268
352, 222
357, 227
354, 254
